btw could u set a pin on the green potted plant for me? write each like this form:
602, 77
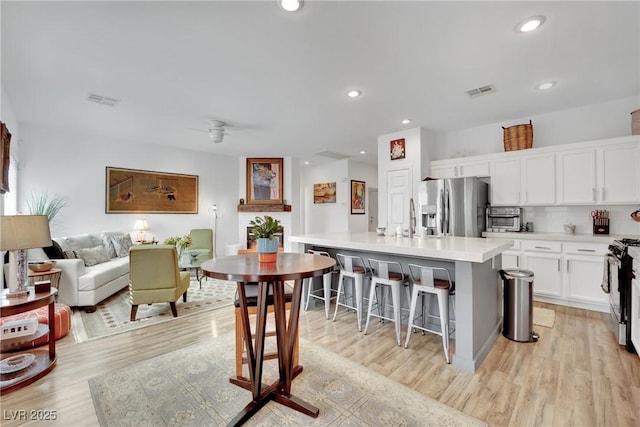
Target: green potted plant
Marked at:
264, 229
180, 242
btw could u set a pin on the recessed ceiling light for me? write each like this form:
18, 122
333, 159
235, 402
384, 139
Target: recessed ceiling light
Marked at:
530, 24
354, 93
363, 152
546, 85
290, 5
306, 162
406, 121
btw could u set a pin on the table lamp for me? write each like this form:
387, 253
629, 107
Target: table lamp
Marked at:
141, 225
17, 234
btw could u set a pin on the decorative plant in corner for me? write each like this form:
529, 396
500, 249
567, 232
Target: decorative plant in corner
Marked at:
264, 229
42, 204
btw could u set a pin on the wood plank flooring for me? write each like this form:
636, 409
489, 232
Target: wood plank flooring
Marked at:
576, 375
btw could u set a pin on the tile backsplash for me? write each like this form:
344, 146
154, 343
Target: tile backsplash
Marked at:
551, 219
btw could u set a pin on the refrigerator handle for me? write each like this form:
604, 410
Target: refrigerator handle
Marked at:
446, 210
442, 218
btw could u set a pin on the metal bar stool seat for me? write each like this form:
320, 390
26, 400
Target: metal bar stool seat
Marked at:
326, 287
424, 282
391, 275
354, 268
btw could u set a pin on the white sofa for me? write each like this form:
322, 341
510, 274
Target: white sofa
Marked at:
86, 285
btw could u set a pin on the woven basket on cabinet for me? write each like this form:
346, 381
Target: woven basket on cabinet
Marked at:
518, 137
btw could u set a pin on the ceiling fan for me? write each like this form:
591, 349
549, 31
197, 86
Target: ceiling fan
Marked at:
216, 131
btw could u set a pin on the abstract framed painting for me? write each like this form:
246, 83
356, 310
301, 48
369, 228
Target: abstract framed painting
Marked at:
264, 181
324, 192
140, 191
357, 197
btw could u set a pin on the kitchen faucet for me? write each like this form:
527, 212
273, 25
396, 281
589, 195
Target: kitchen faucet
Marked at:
412, 218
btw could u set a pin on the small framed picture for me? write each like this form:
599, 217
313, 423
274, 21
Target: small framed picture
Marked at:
357, 197
396, 148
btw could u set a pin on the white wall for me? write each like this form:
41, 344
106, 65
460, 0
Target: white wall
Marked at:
590, 122
369, 174
335, 217
73, 166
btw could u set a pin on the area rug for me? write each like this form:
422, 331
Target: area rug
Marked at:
190, 387
112, 315
543, 317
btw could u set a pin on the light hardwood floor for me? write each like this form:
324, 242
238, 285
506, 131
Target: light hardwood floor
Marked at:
575, 375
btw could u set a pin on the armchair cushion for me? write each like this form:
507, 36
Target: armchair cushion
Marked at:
201, 241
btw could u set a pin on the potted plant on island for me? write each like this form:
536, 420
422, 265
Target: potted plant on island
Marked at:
264, 229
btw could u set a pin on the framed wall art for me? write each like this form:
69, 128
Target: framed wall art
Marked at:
140, 191
324, 193
5, 158
396, 149
357, 197
264, 181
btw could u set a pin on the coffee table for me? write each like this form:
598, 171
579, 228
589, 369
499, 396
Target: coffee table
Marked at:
244, 269
189, 263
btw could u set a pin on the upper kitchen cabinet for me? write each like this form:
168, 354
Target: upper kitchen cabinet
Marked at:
457, 168
526, 180
609, 174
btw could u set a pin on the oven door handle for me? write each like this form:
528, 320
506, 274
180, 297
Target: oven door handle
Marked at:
610, 260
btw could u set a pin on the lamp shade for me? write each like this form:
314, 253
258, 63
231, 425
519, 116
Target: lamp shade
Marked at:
24, 232
141, 225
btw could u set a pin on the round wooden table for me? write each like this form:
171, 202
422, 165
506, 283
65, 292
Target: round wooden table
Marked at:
245, 269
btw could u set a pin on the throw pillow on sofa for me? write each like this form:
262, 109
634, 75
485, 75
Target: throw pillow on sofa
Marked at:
122, 244
93, 256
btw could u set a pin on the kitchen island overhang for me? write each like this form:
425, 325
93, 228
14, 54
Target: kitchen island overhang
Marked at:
475, 263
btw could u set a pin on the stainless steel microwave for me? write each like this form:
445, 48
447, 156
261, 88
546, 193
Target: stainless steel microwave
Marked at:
503, 219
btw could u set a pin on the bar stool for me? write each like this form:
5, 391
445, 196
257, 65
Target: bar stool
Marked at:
384, 276
425, 283
326, 286
354, 268
251, 292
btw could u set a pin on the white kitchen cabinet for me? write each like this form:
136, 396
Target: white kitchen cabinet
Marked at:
584, 267
524, 181
604, 175
505, 182
576, 176
544, 258
618, 173
511, 257
460, 168
635, 307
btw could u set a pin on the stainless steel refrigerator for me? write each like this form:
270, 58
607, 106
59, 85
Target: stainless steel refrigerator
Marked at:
453, 206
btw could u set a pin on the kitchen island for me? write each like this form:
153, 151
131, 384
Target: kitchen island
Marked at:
473, 262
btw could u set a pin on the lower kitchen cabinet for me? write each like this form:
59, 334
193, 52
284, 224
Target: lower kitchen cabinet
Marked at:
566, 273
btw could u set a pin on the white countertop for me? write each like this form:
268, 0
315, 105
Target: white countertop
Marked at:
470, 249
565, 237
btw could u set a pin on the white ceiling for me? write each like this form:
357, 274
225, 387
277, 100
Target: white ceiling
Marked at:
280, 79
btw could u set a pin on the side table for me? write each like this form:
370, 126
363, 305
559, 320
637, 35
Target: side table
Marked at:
52, 275
45, 360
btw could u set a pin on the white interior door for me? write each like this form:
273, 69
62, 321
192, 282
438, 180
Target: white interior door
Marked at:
398, 194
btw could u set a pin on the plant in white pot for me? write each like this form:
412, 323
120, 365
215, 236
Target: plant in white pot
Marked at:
264, 229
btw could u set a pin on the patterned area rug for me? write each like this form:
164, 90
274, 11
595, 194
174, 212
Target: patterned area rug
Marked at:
544, 317
190, 387
112, 315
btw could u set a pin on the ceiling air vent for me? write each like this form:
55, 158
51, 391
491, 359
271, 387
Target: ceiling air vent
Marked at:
483, 90
103, 100
331, 154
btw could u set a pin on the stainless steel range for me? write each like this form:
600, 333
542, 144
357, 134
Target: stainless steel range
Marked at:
617, 283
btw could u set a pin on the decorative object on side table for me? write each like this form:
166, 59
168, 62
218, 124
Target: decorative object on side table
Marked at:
141, 225
180, 242
636, 215
19, 233
264, 230
40, 266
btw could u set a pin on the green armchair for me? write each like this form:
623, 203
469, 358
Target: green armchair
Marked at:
201, 243
154, 277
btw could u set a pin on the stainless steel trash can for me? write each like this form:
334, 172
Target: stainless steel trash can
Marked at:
517, 322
